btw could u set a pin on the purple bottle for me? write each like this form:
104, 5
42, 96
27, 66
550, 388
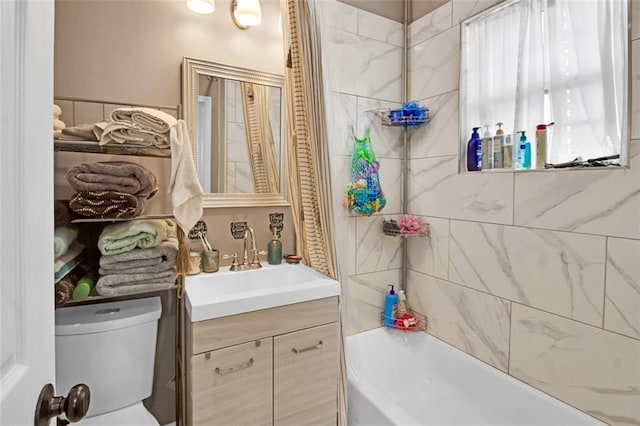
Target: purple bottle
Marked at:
474, 152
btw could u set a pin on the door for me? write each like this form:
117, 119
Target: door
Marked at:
26, 207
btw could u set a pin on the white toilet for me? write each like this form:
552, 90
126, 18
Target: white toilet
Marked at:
111, 348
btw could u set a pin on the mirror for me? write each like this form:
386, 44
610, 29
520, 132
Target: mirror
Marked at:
236, 124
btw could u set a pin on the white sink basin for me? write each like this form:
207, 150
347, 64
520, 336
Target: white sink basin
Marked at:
225, 293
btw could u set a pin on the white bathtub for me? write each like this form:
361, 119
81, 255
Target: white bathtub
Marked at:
405, 378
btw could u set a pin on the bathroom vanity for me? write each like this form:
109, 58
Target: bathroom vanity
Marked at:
267, 354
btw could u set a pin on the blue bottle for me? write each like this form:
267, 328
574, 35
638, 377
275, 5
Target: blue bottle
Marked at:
474, 152
390, 304
524, 152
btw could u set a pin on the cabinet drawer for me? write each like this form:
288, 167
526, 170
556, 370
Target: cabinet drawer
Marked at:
233, 386
306, 376
222, 332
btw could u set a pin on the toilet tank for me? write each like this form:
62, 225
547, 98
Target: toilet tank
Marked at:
111, 348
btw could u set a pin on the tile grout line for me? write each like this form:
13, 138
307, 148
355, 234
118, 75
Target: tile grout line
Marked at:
528, 306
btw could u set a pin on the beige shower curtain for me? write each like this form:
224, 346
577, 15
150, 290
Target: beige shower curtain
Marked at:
308, 153
259, 135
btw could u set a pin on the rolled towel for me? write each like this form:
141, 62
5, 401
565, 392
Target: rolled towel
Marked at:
127, 133
63, 237
156, 259
145, 118
106, 204
81, 132
124, 237
120, 176
121, 284
62, 213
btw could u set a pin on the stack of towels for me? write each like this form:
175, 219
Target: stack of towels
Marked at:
68, 252
110, 189
137, 256
134, 126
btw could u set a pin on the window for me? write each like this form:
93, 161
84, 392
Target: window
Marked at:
531, 62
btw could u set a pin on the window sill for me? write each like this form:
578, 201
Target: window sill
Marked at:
552, 170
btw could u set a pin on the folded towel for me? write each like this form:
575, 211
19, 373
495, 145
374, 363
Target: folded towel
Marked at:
124, 237
63, 215
128, 133
81, 132
65, 263
185, 189
120, 176
149, 260
145, 118
121, 284
106, 204
63, 237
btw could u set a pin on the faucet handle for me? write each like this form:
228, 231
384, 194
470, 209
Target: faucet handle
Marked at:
256, 260
234, 263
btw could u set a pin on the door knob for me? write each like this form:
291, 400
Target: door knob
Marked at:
74, 406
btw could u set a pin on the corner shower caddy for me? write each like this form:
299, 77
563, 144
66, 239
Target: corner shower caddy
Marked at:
391, 228
410, 114
421, 324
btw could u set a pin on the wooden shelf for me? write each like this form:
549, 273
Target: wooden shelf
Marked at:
128, 219
93, 147
100, 299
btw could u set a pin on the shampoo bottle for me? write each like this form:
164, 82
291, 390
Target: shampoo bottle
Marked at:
474, 152
498, 148
507, 153
524, 152
541, 142
402, 303
487, 149
390, 306
274, 249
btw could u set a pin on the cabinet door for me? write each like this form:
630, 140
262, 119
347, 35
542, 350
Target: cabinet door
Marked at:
306, 377
233, 386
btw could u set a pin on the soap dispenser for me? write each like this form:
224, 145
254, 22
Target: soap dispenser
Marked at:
274, 249
524, 152
390, 306
498, 147
474, 152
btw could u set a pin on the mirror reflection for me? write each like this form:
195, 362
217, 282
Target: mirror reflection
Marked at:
235, 117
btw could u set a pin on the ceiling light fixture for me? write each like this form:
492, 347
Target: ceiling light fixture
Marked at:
246, 13
204, 7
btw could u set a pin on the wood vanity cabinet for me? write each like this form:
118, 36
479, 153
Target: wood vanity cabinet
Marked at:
277, 366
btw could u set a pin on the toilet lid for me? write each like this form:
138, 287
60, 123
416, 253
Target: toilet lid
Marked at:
133, 415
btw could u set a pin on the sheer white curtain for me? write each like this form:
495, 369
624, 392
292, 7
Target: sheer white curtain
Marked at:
588, 82
529, 62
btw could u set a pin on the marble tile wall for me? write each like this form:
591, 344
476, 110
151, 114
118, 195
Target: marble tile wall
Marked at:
362, 58
537, 274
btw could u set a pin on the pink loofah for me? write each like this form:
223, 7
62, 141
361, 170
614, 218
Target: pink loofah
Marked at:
411, 225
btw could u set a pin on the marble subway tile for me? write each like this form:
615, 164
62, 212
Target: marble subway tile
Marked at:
463, 9
431, 24
380, 28
341, 176
440, 136
376, 251
364, 67
430, 255
339, 15
559, 272
342, 113
590, 368
635, 89
387, 141
363, 299
390, 175
435, 65
622, 301
604, 202
474, 322
437, 189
